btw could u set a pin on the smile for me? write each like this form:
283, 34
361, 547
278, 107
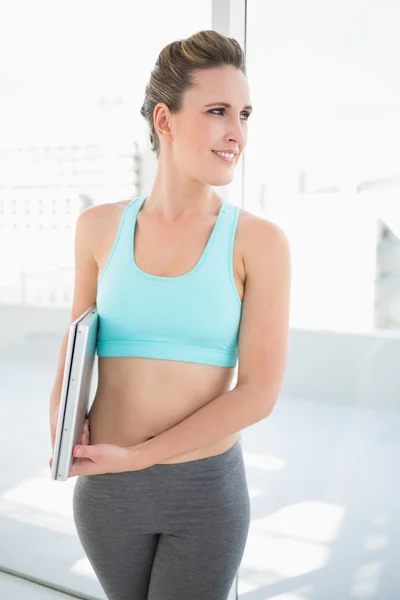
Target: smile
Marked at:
225, 158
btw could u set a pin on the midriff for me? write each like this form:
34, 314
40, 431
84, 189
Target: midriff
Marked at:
138, 398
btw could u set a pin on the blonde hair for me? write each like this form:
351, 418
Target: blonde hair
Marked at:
172, 74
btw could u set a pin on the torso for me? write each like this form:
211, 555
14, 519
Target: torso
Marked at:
138, 398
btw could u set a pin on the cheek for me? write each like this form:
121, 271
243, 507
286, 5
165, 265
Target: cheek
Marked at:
203, 132
197, 147
197, 138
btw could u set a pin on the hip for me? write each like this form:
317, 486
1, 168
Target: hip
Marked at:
164, 495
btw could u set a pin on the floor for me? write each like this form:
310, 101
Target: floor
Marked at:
16, 588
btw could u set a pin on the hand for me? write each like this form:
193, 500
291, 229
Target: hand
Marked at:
85, 439
101, 458
109, 458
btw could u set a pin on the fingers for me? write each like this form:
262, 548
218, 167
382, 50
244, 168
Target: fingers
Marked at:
85, 434
84, 438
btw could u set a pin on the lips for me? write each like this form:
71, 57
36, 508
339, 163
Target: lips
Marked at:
229, 161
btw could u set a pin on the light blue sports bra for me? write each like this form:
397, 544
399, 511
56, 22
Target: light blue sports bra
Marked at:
194, 317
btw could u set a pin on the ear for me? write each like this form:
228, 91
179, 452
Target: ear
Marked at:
163, 121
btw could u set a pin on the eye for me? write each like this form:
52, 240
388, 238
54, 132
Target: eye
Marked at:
247, 114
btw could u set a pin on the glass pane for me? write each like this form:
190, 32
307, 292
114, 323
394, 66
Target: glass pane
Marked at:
322, 162
72, 78
323, 153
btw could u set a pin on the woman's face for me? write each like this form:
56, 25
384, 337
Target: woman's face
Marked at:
205, 125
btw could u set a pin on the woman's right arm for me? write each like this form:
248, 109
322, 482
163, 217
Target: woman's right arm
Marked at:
85, 292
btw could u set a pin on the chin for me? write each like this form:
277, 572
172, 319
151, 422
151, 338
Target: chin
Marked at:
220, 179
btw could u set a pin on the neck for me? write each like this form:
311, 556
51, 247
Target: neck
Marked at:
172, 200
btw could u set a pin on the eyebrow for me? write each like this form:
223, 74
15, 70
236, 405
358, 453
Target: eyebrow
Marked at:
248, 107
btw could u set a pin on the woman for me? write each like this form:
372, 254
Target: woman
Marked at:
185, 284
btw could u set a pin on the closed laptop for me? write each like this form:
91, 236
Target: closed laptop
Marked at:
76, 392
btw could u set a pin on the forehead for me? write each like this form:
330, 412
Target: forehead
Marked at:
221, 84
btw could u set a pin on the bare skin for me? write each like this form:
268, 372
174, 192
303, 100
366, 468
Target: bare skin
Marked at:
138, 398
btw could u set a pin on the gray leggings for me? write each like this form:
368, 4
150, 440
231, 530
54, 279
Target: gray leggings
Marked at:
168, 532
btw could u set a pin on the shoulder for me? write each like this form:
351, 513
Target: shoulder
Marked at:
101, 218
97, 213
261, 240
100, 222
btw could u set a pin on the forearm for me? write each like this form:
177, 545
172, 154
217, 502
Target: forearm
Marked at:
229, 413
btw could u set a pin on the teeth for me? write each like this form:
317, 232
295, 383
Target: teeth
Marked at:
225, 154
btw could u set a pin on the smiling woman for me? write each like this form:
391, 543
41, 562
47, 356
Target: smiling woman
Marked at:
186, 286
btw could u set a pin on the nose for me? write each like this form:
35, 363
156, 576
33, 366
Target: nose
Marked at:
236, 131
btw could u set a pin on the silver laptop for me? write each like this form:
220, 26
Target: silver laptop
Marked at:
76, 391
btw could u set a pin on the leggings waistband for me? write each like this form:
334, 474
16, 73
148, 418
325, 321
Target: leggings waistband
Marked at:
209, 462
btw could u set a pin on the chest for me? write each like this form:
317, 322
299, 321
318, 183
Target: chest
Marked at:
173, 251
167, 252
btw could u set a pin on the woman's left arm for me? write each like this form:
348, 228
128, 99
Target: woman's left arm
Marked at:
262, 350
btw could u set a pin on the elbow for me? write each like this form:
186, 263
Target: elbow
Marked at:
267, 399
263, 400
266, 406
270, 407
